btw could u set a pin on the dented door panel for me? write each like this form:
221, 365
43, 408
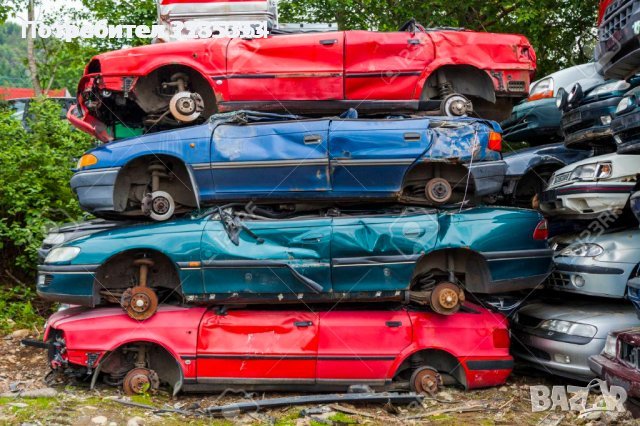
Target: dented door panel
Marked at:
462, 141
257, 345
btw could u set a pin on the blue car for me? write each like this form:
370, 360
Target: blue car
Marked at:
262, 157
230, 255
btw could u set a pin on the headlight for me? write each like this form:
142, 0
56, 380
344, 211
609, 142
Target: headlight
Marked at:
626, 104
571, 328
575, 95
592, 171
582, 250
53, 239
62, 254
561, 99
86, 161
610, 346
610, 87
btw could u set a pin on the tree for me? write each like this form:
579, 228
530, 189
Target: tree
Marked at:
562, 32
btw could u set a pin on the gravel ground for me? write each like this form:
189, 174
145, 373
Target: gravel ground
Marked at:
22, 370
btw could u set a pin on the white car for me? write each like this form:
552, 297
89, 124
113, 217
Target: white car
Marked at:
589, 187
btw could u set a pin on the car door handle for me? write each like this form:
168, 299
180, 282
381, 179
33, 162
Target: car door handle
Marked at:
312, 139
412, 137
394, 324
312, 238
413, 41
303, 323
328, 41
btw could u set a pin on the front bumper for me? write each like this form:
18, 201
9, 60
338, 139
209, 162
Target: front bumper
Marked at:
488, 177
73, 284
627, 128
602, 279
618, 54
533, 120
539, 352
95, 189
616, 373
586, 199
582, 126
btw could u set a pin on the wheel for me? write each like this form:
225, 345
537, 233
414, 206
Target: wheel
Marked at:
139, 302
438, 191
158, 205
446, 298
456, 105
186, 107
425, 380
140, 381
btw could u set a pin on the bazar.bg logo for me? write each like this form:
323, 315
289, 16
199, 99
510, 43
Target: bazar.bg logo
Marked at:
576, 398
177, 30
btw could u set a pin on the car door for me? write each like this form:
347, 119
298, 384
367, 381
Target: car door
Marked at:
377, 253
293, 67
257, 347
270, 159
360, 346
275, 260
385, 66
373, 155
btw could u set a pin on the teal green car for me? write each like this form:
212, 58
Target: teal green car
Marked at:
228, 255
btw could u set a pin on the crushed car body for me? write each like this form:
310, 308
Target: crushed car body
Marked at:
199, 349
229, 256
264, 157
169, 85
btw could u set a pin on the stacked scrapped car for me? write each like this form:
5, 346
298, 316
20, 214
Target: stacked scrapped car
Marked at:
618, 50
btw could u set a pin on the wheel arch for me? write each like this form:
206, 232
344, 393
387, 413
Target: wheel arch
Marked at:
440, 359
128, 173
467, 79
175, 375
419, 171
464, 259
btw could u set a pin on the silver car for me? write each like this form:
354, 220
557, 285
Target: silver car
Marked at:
559, 337
597, 265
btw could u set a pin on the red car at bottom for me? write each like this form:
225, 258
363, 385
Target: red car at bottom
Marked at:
201, 349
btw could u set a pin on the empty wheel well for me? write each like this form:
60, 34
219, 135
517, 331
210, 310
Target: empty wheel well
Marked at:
469, 267
445, 363
115, 365
465, 79
533, 182
148, 88
119, 273
417, 177
134, 182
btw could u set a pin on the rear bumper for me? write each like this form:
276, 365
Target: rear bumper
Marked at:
487, 372
488, 177
586, 199
95, 189
616, 374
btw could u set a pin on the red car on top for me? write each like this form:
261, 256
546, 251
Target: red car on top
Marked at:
200, 349
167, 85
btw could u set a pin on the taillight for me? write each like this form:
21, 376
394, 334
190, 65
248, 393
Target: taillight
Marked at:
501, 338
542, 230
495, 141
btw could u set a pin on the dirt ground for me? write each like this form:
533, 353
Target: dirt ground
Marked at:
22, 370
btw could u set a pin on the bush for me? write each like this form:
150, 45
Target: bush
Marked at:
35, 168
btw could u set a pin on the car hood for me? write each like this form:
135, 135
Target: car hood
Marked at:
607, 157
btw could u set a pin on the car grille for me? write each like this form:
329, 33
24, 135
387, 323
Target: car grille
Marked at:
528, 321
616, 16
558, 279
629, 354
516, 86
527, 350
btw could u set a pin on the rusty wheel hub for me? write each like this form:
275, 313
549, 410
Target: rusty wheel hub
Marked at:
438, 191
446, 298
140, 381
425, 381
140, 302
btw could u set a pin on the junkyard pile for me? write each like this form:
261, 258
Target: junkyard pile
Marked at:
253, 234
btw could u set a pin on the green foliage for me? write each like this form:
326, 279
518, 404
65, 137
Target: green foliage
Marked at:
16, 309
126, 12
562, 32
34, 182
13, 50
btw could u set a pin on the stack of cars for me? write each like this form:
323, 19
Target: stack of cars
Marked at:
265, 249
589, 204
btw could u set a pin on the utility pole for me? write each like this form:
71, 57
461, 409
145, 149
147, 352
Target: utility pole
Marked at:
33, 68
